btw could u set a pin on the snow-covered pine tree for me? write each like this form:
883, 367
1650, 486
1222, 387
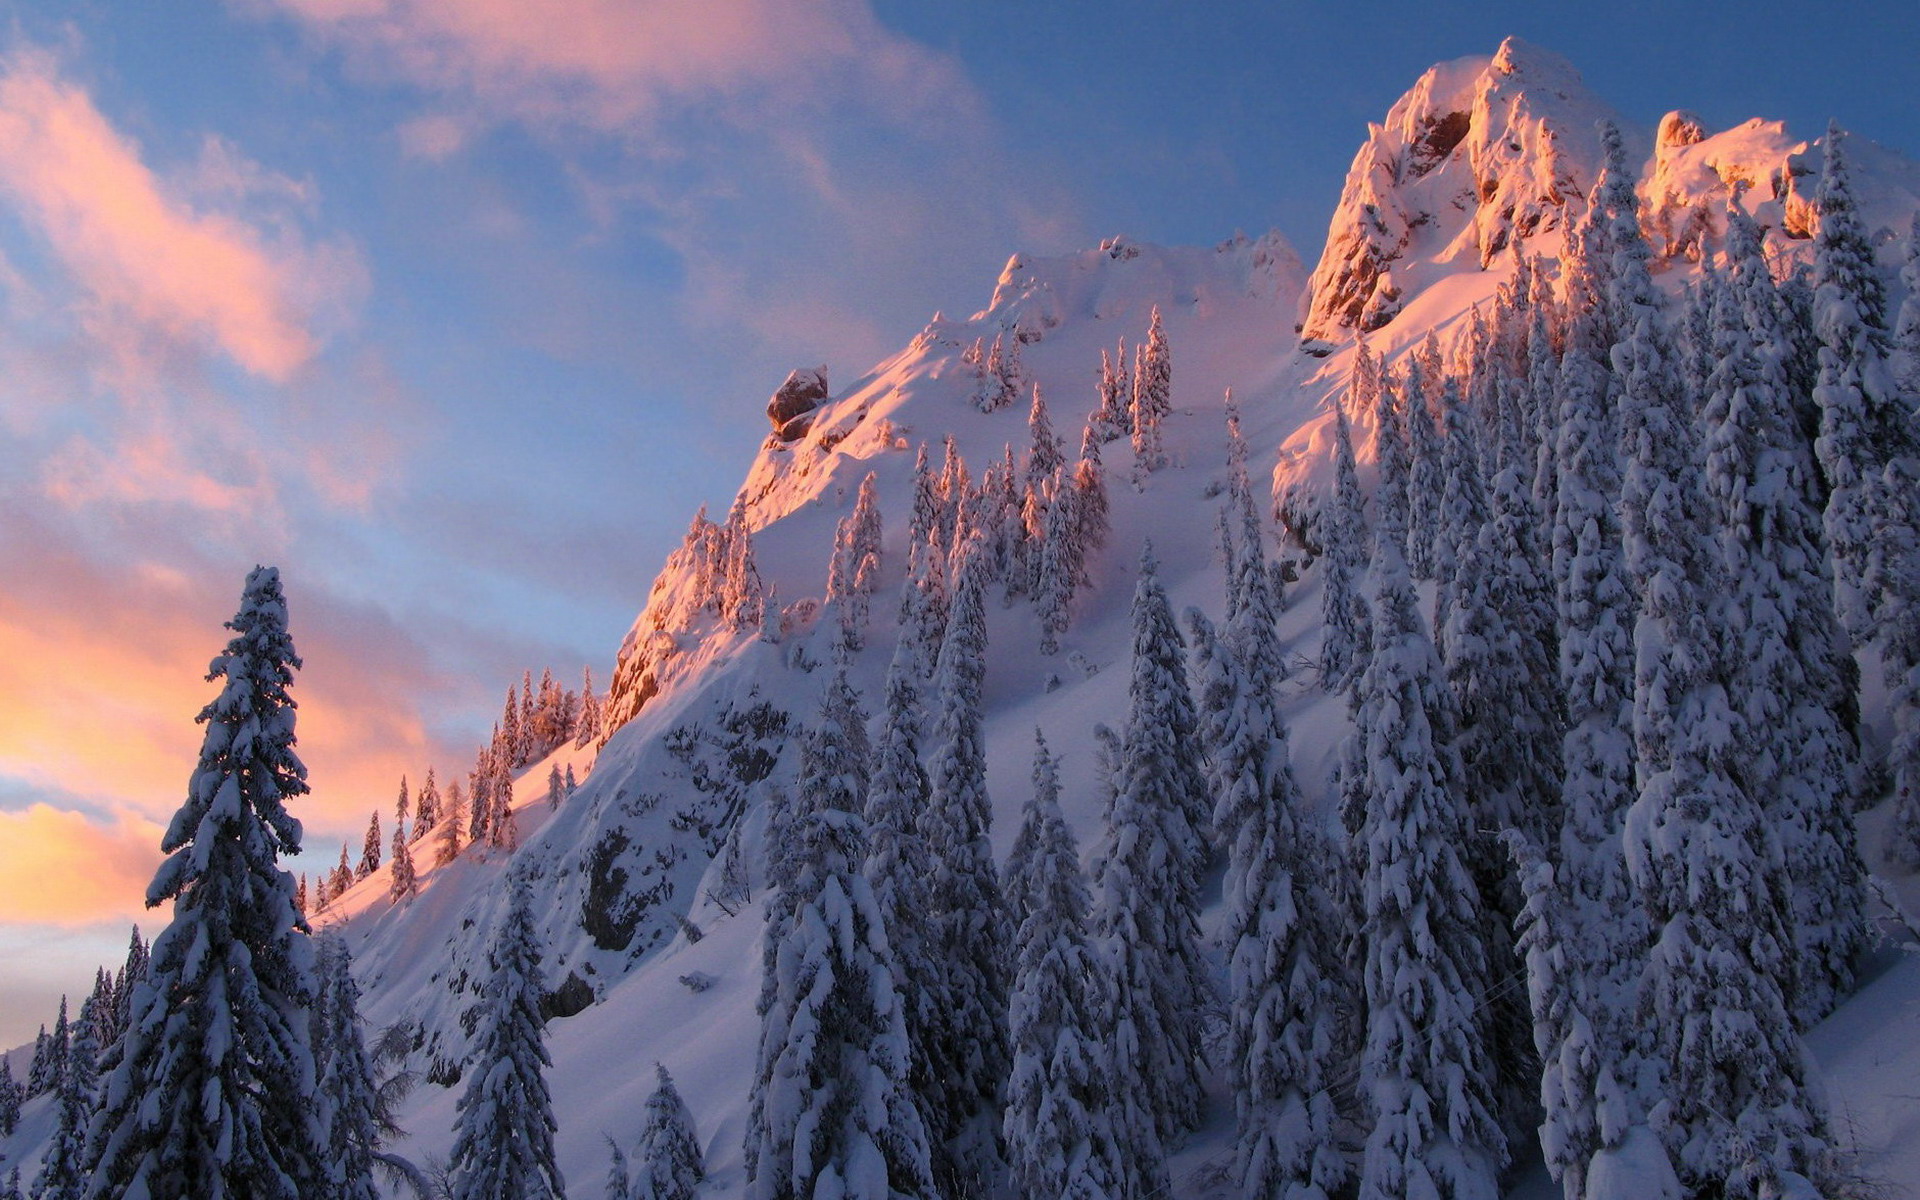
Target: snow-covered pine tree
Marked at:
1900, 650
51, 1062
1702, 858
591, 710
1787, 645
1343, 546
832, 1112
1060, 1136
1543, 402
671, 1165
1146, 884
744, 594
556, 787
897, 867
63, 1168
1862, 420
208, 1090
966, 914
132, 972
619, 1186
401, 806
1114, 417
452, 822
1390, 516
370, 848
1607, 934
1152, 398
1594, 1139
347, 1092
1424, 1069
480, 785
426, 809
503, 1136
9, 1098
406, 883
1463, 503
1906, 321
1429, 537
1284, 980
1060, 563
1090, 500
503, 829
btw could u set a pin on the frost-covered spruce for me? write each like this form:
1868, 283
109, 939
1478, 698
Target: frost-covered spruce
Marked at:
63, 1172
1060, 1137
1152, 397
347, 1089
1059, 562
1900, 651
1702, 857
503, 1136
1424, 1068
1285, 983
1787, 646
670, 1163
1343, 538
1462, 503
1426, 480
619, 1185
897, 866
1090, 499
208, 1092
966, 914
743, 594
1147, 879
9, 1099
1862, 421
406, 884
1592, 1134
832, 1112
426, 809
1390, 515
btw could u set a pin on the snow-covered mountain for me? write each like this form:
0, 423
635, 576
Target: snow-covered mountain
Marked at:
647, 879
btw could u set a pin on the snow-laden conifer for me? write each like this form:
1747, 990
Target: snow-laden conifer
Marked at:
347, 1092
1060, 1138
1060, 567
1284, 980
63, 1169
1343, 537
207, 1091
1862, 422
426, 808
452, 822
503, 1137
1146, 884
1390, 457
967, 919
1424, 1065
832, 1112
1703, 860
1090, 501
370, 848
1114, 417
406, 884
1592, 1134
1462, 505
1789, 682
1152, 398
1428, 534
9, 1098
671, 1165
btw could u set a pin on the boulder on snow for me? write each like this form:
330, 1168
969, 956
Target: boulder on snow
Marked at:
795, 400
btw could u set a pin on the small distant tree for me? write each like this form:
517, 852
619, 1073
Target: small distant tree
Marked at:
9, 1099
1152, 398
370, 849
556, 787
451, 825
503, 1138
406, 884
426, 810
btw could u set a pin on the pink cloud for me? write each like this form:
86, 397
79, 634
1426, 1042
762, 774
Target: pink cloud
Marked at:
143, 251
64, 868
610, 63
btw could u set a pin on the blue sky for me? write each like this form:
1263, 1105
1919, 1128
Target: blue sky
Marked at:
456, 309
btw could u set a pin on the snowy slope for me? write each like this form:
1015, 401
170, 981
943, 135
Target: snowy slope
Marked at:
650, 959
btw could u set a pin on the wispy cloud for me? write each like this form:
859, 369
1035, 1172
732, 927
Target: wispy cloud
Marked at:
62, 867
149, 255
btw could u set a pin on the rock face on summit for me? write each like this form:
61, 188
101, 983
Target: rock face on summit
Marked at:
1480, 153
795, 400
